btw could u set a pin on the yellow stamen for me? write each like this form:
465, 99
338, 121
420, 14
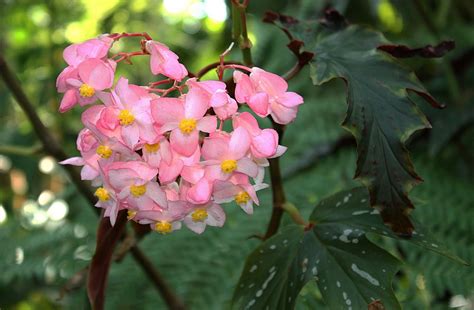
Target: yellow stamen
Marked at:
242, 198
126, 118
199, 215
104, 151
86, 91
187, 125
228, 165
163, 227
152, 148
102, 194
131, 214
138, 190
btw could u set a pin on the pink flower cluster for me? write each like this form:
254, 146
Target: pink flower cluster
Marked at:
167, 160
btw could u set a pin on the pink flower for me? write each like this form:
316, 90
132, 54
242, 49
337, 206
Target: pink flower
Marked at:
129, 110
163, 61
202, 215
168, 220
135, 184
215, 94
107, 200
159, 154
87, 145
196, 185
265, 93
96, 149
110, 144
185, 120
264, 142
75, 54
226, 155
238, 189
93, 76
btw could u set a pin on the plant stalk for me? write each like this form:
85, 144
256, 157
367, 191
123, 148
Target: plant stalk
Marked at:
239, 30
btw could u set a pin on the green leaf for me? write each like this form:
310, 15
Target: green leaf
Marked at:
350, 209
350, 271
380, 114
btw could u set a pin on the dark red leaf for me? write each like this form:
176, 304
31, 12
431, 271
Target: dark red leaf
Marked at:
429, 51
107, 238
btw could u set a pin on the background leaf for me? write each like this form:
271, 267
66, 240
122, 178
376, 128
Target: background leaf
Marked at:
380, 114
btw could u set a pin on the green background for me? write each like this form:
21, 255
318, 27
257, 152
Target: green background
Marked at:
43, 246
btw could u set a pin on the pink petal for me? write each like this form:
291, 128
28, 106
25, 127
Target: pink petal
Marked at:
192, 174
167, 110
89, 173
96, 73
154, 191
196, 104
265, 144
283, 115
239, 143
75, 161
216, 216
248, 207
69, 100
169, 172
244, 88
259, 104
185, 144
268, 82
219, 99
214, 148
70, 55
207, 124
247, 166
290, 99
68, 73
201, 192
197, 227
130, 135
124, 91
246, 120
226, 111
165, 150
224, 192
280, 151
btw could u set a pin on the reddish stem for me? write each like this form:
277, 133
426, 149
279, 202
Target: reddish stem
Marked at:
214, 65
118, 36
160, 82
233, 66
126, 56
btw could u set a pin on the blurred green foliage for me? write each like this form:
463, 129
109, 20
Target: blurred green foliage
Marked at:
48, 230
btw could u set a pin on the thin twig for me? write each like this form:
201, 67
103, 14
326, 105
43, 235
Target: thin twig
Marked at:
293, 71
52, 147
171, 300
20, 150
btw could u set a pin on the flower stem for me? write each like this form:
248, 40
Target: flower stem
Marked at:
294, 213
239, 30
278, 192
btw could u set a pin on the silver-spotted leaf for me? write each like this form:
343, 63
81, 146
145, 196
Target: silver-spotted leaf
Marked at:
350, 271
